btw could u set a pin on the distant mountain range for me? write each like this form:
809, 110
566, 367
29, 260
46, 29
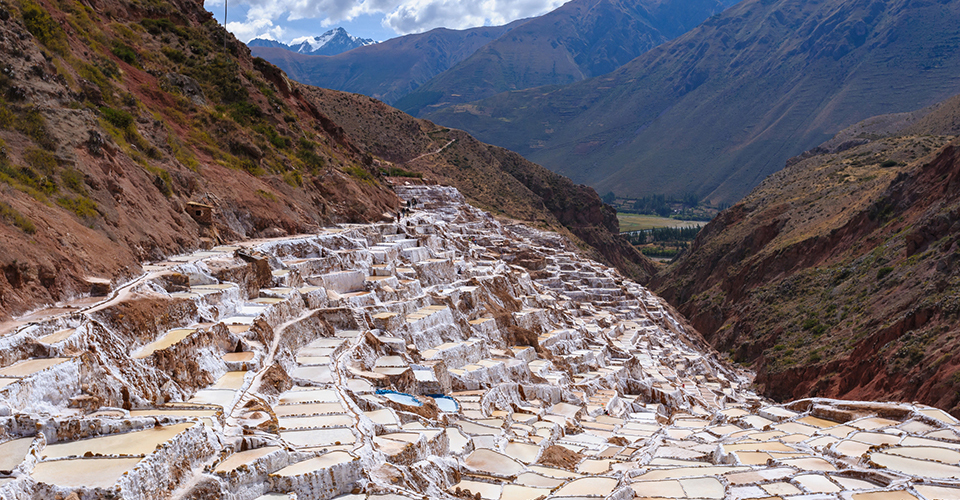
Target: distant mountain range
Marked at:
331, 43
718, 109
579, 40
387, 70
662, 97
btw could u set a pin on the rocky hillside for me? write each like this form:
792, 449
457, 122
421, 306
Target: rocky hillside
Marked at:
387, 70
840, 275
115, 116
493, 178
720, 108
579, 40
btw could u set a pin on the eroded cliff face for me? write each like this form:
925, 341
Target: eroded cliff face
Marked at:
838, 276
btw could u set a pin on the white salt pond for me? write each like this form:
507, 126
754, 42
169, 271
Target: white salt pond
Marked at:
588, 486
238, 357
243, 458
401, 398
13, 452
83, 472
331, 420
214, 397
308, 409
309, 396
131, 443
488, 491
230, 380
491, 462
915, 467
446, 404
57, 337
319, 437
170, 338
317, 463
28, 367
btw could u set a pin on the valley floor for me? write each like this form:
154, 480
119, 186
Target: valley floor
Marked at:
446, 355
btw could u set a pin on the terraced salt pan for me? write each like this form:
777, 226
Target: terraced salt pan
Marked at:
171, 338
519, 492
488, 491
320, 421
28, 367
319, 437
136, 443
57, 337
306, 395
13, 452
938, 492
173, 412
83, 472
238, 357
325, 461
817, 483
230, 380
214, 397
915, 467
491, 462
588, 487
288, 410
243, 458
714, 425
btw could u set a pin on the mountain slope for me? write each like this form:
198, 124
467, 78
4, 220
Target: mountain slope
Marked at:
839, 276
331, 43
718, 109
109, 130
386, 70
492, 178
579, 40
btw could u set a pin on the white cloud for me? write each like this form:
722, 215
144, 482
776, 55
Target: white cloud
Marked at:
419, 16
265, 17
259, 28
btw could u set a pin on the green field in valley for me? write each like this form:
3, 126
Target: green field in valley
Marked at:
637, 222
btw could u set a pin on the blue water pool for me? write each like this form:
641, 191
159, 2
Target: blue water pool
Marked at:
399, 397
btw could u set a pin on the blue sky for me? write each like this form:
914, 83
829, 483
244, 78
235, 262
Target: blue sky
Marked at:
286, 20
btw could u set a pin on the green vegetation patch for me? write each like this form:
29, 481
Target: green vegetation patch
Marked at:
359, 173
125, 53
41, 25
117, 117
81, 206
399, 172
267, 194
11, 215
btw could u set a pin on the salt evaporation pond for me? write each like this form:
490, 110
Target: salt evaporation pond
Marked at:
446, 404
317, 463
83, 472
30, 366
244, 457
404, 399
12, 452
130, 443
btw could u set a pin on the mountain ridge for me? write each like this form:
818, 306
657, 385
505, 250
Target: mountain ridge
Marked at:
838, 276
579, 40
330, 43
723, 106
386, 70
